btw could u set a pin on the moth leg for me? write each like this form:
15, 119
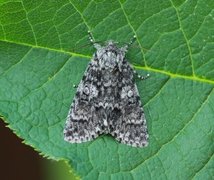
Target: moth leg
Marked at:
141, 77
91, 39
75, 86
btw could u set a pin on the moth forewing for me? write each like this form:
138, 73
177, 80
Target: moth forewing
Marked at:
107, 101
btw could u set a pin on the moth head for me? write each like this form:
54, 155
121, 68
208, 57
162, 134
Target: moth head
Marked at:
110, 56
111, 45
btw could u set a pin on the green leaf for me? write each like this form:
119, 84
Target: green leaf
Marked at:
42, 54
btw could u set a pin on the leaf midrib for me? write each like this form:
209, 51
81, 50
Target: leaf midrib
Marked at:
146, 68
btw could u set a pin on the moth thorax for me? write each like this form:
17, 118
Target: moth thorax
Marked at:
111, 59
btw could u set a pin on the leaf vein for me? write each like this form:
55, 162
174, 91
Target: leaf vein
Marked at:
173, 75
80, 15
185, 37
203, 166
176, 135
20, 61
128, 21
34, 35
49, 79
160, 90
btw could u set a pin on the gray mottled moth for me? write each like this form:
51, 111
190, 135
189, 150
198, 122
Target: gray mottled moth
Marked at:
107, 100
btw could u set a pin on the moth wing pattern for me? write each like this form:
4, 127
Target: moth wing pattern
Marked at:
130, 126
107, 101
81, 124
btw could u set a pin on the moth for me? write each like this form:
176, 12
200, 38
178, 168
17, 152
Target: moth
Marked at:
107, 100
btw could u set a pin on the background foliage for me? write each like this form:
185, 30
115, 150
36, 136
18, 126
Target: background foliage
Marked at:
42, 56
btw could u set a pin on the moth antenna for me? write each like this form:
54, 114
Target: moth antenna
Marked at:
126, 47
91, 39
132, 41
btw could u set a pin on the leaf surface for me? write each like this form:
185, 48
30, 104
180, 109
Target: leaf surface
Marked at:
43, 53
